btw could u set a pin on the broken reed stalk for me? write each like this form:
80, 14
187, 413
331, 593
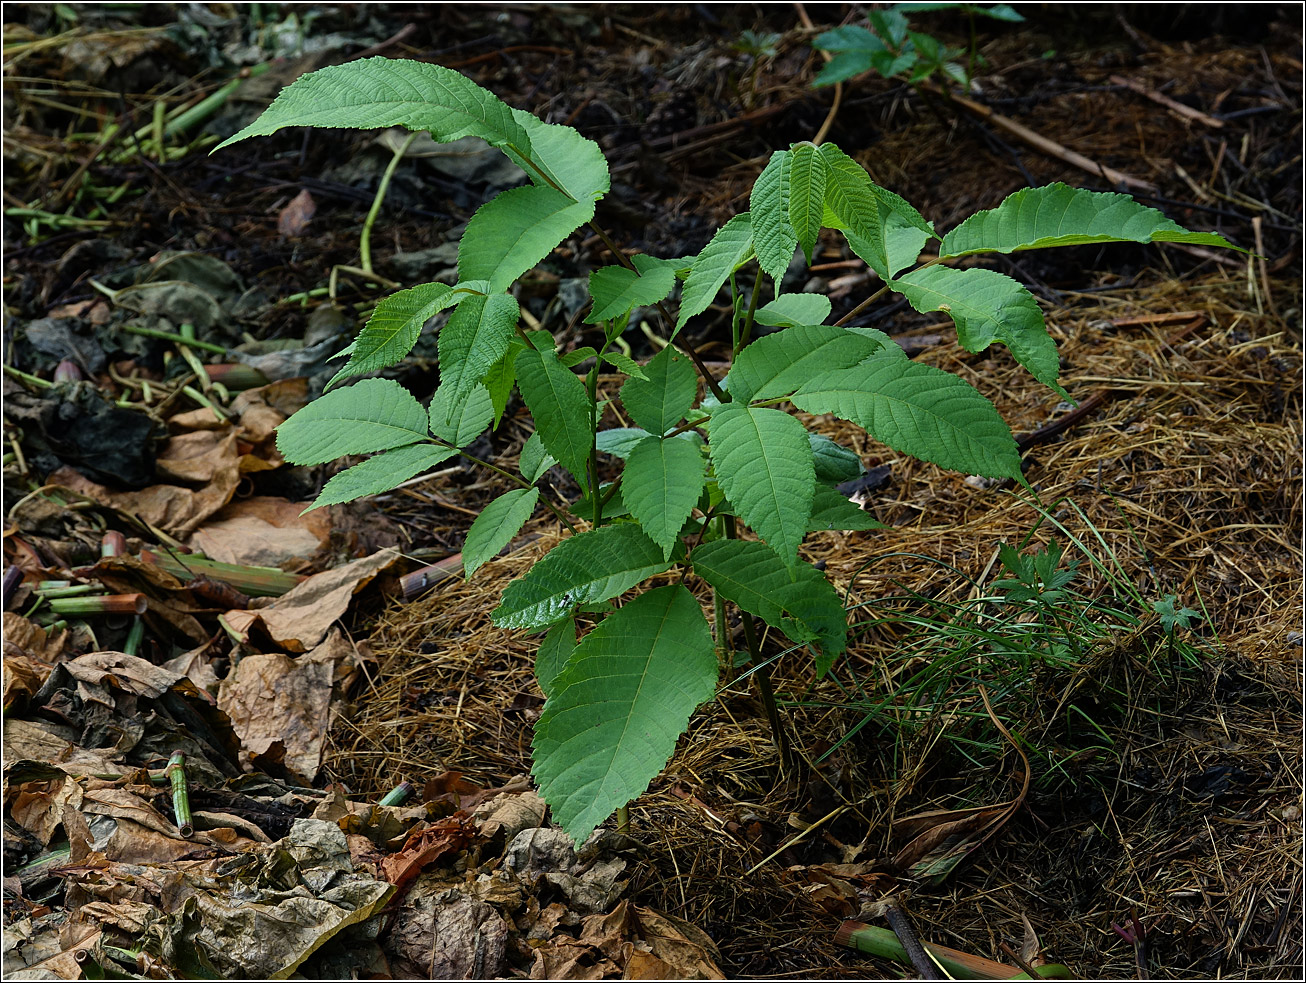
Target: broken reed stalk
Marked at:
881, 942
397, 795
251, 580
180, 795
102, 604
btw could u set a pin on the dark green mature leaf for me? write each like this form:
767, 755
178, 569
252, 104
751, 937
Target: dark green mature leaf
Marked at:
661, 484
617, 290
561, 408
849, 195
554, 652
830, 511
919, 410
661, 399
807, 194
381, 473
834, 463
768, 204
371, 415
763, 462
815, 614
625, 364
534, 460
620, 704
377, 92
585, 569
779, 363
502, 377
393, 329
987, 306
619, 441
1059, 215
902, 244
494, 528
746, 573
730, 247
476, 336
513, 231
790, 309
460, 421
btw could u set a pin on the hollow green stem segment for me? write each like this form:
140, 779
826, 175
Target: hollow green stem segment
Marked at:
881, 942
365, 240
180, 794
397, 795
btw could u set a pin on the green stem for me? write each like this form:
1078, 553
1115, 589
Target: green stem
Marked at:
365, 240
397, 795
747, 330
205, 346
592, 389
883, 943
623, 819
35, 382
516, 479
180, 794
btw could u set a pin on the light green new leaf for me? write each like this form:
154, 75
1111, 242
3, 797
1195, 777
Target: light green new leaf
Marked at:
554, 652
833, 462
849, 196
371, 415
617, 290
661, 484
376, 92
830, 510
815, 611
1059, 215
987, 306
494, 528
475, 337
768, 204
381, 473
790, 309
746, 573
619, 441
534, 460
624, 363
512, 232
901, 247
393, 329
585, 569
807, 194
619, 706
460, 421
560, 407
575, 163
731, 246
661, 399
779, 363
763, 462
919, 410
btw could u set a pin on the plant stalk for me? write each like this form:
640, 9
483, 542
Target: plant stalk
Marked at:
180, 795
365, 239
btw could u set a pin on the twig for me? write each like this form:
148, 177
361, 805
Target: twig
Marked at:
1188, 112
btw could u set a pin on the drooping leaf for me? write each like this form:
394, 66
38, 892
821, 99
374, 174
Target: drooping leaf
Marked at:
1059, 215
460, 421
512, 232
902, 244
585, 569
380, 473
376, 92
574, 163
371, 415
833, 462
619, 706
476, 336
554, 652
830, 510
661, 399
807, 194
768, 204
494, 528
661, 484
561, 409
534, 460
746, 573
787, 310
617, 290
919, 410
730, 247
393, 329
843, 66
779, 363
987, 306
814, 610
763, 462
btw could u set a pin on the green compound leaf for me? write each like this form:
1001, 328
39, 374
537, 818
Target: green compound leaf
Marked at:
380, 473
494, 528
763, 463
768, 204
393, 329
730, 247
619, 706
371, 415
918, 410
475, 337
807, 194
585, 569
790, 309
834, 463
748, 574
460, 421
661, 484
561, 409
830, 510
987, 306
617, 290
534, 460
512, 232
778, 364
1059, 215
554, 652
377, 92
660, 400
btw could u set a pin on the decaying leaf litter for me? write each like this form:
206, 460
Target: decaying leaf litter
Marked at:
1161, 826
